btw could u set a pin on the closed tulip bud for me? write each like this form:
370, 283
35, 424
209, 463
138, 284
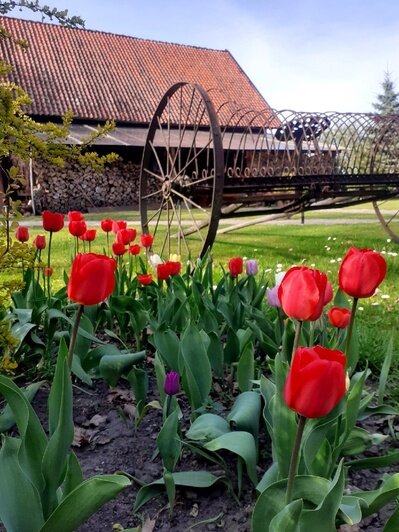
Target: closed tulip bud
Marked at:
132, 234
146, 240
339, 317
316, 381
90, 235
123, 236
144, 279
52, 221
134, 250
163, 271
22, 234
75, 216
92, 278
40, 242
118, 249
235, 266
361, 272
106, 225
251, 267
118, 225
174, 267
302, 293
172, 383
272, 296
77, 227
48, 272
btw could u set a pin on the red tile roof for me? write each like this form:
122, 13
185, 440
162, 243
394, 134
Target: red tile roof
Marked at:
102, 76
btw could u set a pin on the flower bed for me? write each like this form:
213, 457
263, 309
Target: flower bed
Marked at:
251, 393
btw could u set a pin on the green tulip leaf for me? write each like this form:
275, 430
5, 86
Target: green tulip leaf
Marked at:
284, 421
74, 475
359, 440
245, 413
197, 377
350, 509
374, 462
232, 347
33, 437
160, 376
112, 366
376, 499
268, 390
20, 504
57, 314
167, 344
83, 343
138, 379
246, 368
7, 419
240, 443
61, 431
79, 372
92, 360
168, 442
215, 353
288, 518
392, 525
84, 501
207, 427
185, 479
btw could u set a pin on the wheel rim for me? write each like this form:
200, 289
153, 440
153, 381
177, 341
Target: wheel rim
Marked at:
181, 178
388, 219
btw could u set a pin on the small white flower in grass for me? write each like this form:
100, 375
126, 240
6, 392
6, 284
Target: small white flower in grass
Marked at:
375, 304
360, 308
335, 238
383, 252
313, 265
279, 265
329, 238
385, 296
245, 258
389, 240
268, 270
392, 253
333, 261
291, 249
255, 249
327, 248
339, 259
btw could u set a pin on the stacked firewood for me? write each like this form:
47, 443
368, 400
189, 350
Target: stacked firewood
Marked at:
76, 188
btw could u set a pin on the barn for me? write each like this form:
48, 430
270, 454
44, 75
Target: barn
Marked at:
103, 76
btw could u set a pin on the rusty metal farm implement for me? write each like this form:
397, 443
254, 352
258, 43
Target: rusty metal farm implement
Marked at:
201, 164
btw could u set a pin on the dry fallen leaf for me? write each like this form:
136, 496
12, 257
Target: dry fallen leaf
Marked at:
129, 410
194, 510
119, 394
82, 436
148, 525
96, 420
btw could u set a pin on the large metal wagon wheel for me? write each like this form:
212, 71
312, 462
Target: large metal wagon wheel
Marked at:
389, 219
182, 171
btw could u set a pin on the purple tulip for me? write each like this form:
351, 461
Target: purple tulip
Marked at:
251, 267
272, 296
171, 386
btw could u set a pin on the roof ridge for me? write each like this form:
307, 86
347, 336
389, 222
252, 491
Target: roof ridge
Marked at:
156, 41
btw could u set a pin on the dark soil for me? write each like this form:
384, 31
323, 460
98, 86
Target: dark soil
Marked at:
106, 442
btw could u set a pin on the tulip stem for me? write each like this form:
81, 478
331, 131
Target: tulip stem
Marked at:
298, 330
294, 459
168, 405
74, 335
48, 266
350, 328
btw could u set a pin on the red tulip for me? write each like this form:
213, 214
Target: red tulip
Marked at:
144, 279
90, 235
361, 272
235, 266
174, 267
118, 249
328, 293
339, 317
134, 250
22, 234
77, 227
316, 381
303, 292
132, 234
52, 221
92, 278
106, 225
163, 271
75, 216
48, 272
118, 225
124, 236
146, 240
40, 242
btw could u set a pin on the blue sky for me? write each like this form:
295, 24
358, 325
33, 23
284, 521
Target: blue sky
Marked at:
308, 55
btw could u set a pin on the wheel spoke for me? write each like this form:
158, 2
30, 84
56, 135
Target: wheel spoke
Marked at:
180, 230
152, 194
192, 183
190, 200
392, 217
158, 161
197, 227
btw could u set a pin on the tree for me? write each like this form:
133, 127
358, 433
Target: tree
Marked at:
387, 102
